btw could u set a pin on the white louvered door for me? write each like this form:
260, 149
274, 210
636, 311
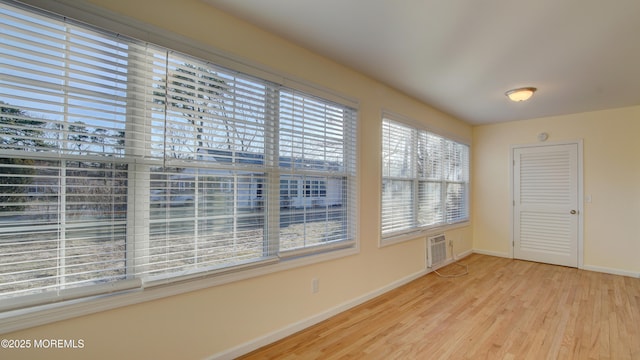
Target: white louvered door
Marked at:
546, 207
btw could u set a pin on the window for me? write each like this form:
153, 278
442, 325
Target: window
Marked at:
288, 189
315, 188
126, 163
425, 179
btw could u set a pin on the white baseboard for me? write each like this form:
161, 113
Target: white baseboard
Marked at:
305, 323
595, 268
607, 270
463, 254
492, 253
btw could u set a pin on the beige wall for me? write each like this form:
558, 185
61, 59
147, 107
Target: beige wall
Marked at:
611, 177
206, 322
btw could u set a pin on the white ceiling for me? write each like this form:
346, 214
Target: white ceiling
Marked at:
460, 56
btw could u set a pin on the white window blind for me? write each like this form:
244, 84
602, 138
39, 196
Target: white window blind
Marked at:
317, 155
398, 171
213, 130
63, 171
425, 179
123, 162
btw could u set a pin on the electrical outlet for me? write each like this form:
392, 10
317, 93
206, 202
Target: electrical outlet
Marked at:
315, 285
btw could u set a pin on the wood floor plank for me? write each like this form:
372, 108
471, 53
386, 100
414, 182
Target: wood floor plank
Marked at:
503, 309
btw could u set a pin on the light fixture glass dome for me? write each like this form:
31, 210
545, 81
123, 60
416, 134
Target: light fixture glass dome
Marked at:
520, 94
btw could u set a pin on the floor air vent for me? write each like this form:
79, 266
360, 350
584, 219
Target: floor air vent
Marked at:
437, 250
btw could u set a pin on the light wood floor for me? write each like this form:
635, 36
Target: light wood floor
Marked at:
504, 309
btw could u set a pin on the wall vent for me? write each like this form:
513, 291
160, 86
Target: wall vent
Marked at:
437, 250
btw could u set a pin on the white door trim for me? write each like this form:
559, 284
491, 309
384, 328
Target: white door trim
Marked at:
579, 144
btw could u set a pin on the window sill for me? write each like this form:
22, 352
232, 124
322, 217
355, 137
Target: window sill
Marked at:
413, 234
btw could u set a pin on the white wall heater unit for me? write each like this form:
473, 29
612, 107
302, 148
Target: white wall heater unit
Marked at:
437, 250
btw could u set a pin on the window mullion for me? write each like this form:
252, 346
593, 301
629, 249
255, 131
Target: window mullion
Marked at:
137, 136
445, 210
62, 235
444, 155
196, 222
62, 239
272, 156
414, 176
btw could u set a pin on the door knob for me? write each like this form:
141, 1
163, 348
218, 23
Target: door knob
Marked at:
573, 212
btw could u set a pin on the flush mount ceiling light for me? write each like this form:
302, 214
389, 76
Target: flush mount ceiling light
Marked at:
520, 94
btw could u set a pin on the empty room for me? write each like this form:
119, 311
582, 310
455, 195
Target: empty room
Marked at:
279, 179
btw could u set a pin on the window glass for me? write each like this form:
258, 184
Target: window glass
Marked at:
124, 160
425, 179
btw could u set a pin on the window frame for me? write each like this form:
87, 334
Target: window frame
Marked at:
414, 229
134, 292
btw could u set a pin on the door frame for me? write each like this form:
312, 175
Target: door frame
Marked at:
580, 174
